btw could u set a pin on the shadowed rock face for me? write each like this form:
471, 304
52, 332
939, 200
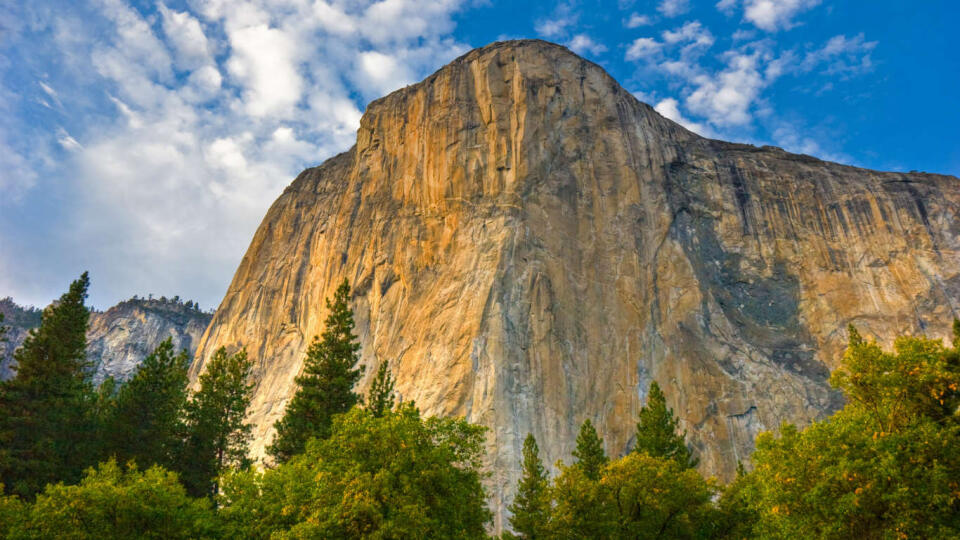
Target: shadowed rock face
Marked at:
119, 338
530, 246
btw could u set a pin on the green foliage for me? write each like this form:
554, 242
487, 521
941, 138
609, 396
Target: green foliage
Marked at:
326, 386
886, 466
47, 428
217, 436
589, 453
381, 394
920, 379
12, 514
395, 476
531, 506
110, 503
736, 516
579, 509
636, 496
657, 431
145, 423
656, 498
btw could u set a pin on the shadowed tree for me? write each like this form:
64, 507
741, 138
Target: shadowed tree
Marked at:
657, 429
589, 453
217, 435
47, 428
531, 506
326, 386
146, 423
381, 395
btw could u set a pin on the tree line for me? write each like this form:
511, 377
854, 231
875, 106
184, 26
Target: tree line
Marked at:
151, 458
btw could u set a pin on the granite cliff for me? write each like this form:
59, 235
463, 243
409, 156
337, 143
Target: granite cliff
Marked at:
119, 338
530, 246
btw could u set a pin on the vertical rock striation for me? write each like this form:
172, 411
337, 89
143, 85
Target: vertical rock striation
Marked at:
530, 246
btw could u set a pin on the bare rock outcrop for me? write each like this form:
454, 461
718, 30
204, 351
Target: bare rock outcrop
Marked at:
119, 338
530, 246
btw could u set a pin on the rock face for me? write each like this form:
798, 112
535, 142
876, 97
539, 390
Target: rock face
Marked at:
118, 339
121, 337
18, 321
530, 246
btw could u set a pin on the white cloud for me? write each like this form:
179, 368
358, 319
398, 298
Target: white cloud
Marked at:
334, 20
186, 38
787, 136
265, 60
673, 8
773, 15
725, 98
51, 93
209, 112
18, 174
67, 141
692, 32
582, 43
842, 55
643, 48
381, 72
557, 25
636, 20
727, 6
670, 108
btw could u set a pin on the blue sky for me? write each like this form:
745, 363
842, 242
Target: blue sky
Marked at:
144, 140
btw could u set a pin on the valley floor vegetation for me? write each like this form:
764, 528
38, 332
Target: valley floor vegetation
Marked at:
151, 458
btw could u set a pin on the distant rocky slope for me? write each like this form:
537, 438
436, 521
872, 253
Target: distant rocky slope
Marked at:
118, 338
18, 320
530, 246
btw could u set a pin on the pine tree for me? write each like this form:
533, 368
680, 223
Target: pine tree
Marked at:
46, 410
217, 437
145, 424
381, 396
326, 386
531, 506
657, 431
589, 453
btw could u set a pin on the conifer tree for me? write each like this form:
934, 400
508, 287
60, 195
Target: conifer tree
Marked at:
657, 431
146, 422
217, 436
589, 453
531, 506
326, 386
381, 395
46, 410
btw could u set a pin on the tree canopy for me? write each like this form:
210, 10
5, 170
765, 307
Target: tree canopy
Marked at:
326, 386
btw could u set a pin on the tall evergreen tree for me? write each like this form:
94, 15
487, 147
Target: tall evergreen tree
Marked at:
217, 436
146, 422
381, 395
531, 506
46, 410
589, 453
657, 431
326, 386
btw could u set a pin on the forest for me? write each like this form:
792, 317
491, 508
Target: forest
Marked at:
156, 457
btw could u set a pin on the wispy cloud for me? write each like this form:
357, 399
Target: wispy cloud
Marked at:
181, 128
769, 15
673, 8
